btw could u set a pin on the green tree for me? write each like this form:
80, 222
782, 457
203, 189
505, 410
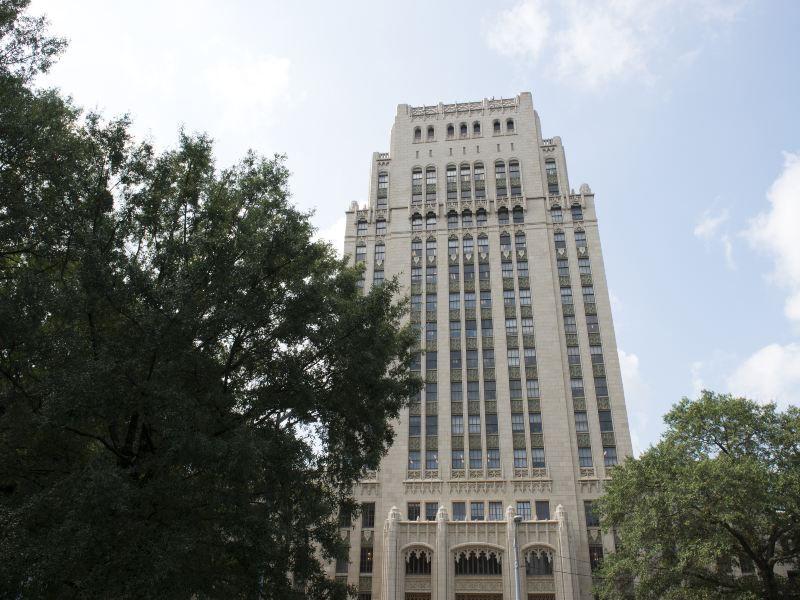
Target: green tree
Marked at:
719, 494
189, 384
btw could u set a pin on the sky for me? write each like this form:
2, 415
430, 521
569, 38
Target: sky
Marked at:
682, 115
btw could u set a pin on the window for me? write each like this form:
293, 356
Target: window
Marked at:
532, 388
476, 128
470, 326
469, 273
473, 393
431, 393
452, 183
600, 386
507, 270
515, 389
538, 563
479, 179
469, 297
476, 511
474, 423
467, 242
452, 220
431, 508
455, 391
417, 134
414, 460
585, 457
486, 302
430, 359
430, 221
525, 300
556, 215
455, 329
537, 458
566, 295
377, 278
588, 294
361, 254
367, 515
416, 302
472, 359
495, 511
597, 354
477, 562
508, 298
380, 227
383, 185
491, 423
365, 561
520, 458
592, 324
522, 271
361, 228
542, 510
466, 219
609, 456
496, 127
430, 274
454, 301
475, 459
519, 237
511, 327
430, 248
605, 420
457, 425
457, 461
493, 458
412, 510
500, 179
451, 131
577, 213
518, 216
552, 176
510, 126
490, 390
453, 273
517, 422
380, 252
592, 519
488, 358
580, 239
414, 425
465, 182
563, 267
513, 175
455, 359
524, 510
416, 363
502, 217
535, 422
430, 302
431, 460
342, 565
576, 385
527, 325
484, 272
459, 510
573, 355
560, 240
462, 130
595, 556
581, 422
430, 133
513, 357
482, 219
416, 185
530, 356
505, 242
344, 519
569, 325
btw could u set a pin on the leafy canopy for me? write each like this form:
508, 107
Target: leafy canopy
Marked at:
717, 496
189, 384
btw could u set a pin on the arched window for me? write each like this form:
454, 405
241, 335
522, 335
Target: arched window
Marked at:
538, 562
467, 244
380, 252
416, 185
513, 175
518, 215
480, 181
416, 222
380, 227
500, 179
418, 563
452, 220
430, 221
451, 131
452, 182
417, 134
481, 217
476, 128
430, 184
483, 244
477, 562
552, 176
466, 218
463, 129
502, 216
510, 126
361, 227
466, 188
505, 242
430, 132
496, 127
519, 241
430, 247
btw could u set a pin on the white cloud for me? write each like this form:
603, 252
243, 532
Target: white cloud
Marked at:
708, 223
636, 397
770, 374
775, 232
334, 234
521, 31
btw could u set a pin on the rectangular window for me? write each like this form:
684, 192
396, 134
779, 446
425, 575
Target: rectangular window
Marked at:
459, 511
430, 275
507, 270
416, 362
453, 273
529, 355
488, 358
412, 509
430, 302
592, 519
609, 456
580, 239
513, 357
457, 424
455, 391
469, 272
432, 425
560, 240
569, 325
566, 295
342, 565
455, 359
489, 390
469, 299
542, 510
588, 294
495, 511
577, 213
416, 274
537, 458
595, 556
508, 297
367, 515
430, 359
573, 355
483, 271
486, 328
431, 392
581, 422
584, 268
517, 422
471, 328
524, 510
522, 268
563, 267
474, 423
532, 388
431, 508
511, 327
455, 330
527, 326
515, 389
430, 331
476, 511
416, 302
414, 425
605, 420
576, 385
600, 386
475, 459
493, 458
473, 391
592, 324
414, 460
535, 421
457, 459
486, 299
491, 423
431, 460
525, 297
365, 562
472, 359
344, 518
585, 457
455, 301
520, 458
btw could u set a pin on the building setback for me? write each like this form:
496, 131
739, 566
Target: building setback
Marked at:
522, 411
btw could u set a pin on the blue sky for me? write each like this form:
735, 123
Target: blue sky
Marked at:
682, 115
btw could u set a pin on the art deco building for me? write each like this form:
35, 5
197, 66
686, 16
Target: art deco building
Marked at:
522, 411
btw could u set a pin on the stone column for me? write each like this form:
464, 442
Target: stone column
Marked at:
390, 555
566, 582
439, 584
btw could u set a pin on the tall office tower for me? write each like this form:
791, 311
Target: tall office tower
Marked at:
522, 412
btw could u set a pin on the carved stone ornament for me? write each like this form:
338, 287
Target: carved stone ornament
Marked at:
532, 485
418, 583
469, 486
472, 584
419, 552
371, 489
362, 215
422, 487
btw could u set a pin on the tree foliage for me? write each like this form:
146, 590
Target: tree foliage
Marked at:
189, 384
718, 495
